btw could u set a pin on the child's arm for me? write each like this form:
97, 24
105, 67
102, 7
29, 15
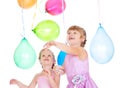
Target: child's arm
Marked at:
53, 78
21, 85
79, 51
54, 82
33, 82
18, 83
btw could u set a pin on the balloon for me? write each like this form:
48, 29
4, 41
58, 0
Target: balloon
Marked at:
101, 48
47, 30
61, 57
24, 55
55, 7
26, 3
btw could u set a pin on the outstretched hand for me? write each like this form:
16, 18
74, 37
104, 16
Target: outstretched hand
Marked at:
13, 81
49, 44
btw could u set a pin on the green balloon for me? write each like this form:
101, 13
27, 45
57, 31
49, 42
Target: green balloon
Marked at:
24, 55
47, 30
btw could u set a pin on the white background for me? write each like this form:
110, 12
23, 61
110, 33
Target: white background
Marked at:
84, 13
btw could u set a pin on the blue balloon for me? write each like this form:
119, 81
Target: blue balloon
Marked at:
102, 47
61, 57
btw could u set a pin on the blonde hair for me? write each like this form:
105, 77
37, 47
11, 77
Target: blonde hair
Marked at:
81, 31
48, 50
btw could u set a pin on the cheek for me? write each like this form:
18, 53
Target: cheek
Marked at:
67, 36
41, 61
52, 61
67, 39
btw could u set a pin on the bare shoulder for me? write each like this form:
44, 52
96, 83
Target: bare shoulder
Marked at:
83, 53
37, 75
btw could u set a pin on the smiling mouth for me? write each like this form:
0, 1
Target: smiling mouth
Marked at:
71, 38
46, 59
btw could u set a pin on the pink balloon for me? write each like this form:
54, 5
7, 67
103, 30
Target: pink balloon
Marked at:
55, 7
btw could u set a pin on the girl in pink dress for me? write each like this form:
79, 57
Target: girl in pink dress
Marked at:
76, 65
48, 77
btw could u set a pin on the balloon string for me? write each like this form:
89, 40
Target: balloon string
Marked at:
63, 18
63, 14
23, 33
34, 16
99, 14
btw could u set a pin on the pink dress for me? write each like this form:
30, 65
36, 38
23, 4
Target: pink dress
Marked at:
43, 82
78, 73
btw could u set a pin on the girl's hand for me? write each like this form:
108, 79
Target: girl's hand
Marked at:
18, 83
49, 44
13, 81
48, 69
58, 70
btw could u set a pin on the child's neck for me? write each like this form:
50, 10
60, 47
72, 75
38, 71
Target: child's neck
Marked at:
75, 44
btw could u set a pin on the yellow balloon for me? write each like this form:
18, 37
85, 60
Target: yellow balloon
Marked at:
26, 3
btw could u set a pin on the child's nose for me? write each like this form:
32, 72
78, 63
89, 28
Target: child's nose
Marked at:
46, 56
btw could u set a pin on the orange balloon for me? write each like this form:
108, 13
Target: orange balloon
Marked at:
26, 3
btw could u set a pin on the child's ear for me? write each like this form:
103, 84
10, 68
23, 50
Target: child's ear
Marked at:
83, 40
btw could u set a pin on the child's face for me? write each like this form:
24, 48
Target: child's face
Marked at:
47, 58
73, 37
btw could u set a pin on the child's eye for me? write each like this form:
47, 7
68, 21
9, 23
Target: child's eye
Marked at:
49, 55
68, 33
43, 55
75, 33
